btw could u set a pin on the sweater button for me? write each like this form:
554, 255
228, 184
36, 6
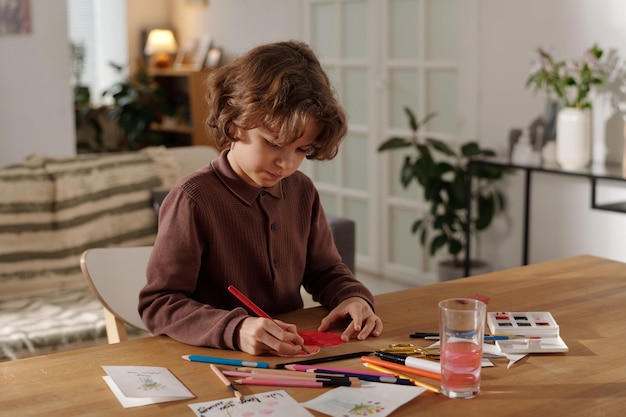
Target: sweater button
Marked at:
273, 227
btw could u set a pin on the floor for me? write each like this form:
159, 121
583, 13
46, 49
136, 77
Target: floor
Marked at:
378, 285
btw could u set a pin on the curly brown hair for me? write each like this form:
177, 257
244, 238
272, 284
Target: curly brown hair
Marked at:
278, 87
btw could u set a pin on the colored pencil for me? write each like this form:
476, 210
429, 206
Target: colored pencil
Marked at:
248, 302
256, 309
330, 370
286, 372
487, 337
303, 376
225, 361
292, 383
401, 375
226, 382
400, 368
388, 378
324, 359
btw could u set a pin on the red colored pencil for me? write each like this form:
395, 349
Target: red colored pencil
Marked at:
248, 302
256, 309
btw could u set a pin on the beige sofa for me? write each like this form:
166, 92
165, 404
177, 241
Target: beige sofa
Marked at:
52, 209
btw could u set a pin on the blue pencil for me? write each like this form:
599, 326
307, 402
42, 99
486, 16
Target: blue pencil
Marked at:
225, 361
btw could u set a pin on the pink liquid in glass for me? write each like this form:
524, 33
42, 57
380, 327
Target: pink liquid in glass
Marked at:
460, 369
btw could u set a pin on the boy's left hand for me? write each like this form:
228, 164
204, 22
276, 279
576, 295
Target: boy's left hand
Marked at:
364, 321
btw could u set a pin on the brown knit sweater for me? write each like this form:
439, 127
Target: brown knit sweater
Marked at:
215, 230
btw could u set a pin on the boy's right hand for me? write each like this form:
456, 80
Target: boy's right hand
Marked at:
258, 336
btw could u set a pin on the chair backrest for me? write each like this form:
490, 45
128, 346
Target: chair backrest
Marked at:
116, 275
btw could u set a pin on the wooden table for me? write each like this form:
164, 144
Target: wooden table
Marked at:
585, 294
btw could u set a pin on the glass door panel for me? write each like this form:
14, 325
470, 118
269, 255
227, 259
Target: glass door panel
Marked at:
441, 39
354, 153
403, 29
325, 31
355, 29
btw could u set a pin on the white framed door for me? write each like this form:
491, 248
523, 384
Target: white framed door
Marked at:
381, 56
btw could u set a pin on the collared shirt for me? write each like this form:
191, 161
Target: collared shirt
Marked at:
216, 230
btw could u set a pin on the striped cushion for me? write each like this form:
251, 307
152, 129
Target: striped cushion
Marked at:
53, 209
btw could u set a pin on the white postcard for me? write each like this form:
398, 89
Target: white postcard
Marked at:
372, 398
142, 385
276, 403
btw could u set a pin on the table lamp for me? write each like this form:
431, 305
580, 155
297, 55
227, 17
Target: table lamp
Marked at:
160, 46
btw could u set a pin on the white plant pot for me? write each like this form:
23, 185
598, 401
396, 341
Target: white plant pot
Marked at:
573, 138
446, 270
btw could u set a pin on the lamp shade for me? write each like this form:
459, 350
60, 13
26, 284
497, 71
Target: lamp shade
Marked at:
160, 41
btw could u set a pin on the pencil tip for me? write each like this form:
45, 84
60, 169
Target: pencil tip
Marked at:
185, 357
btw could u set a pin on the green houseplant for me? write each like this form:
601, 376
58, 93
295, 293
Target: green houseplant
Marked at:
441, 172
137, 103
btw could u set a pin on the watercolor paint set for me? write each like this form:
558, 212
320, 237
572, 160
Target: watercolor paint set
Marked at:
522, 323
534, 332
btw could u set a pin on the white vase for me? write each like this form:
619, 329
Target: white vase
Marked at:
573, 138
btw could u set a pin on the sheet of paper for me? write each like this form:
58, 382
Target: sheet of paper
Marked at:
371, 399
494, 350
142, 385
276, 403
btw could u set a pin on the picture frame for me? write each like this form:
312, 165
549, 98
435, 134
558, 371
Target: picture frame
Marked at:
192, 53
213, 57
15, 17
202, 50
184, 57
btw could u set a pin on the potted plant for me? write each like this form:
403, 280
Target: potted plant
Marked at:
137, 103
570, 83
81, 92
89, 130
442, 172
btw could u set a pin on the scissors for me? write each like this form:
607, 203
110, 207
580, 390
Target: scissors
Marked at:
411, 349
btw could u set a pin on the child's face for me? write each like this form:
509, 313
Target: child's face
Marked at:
261, 163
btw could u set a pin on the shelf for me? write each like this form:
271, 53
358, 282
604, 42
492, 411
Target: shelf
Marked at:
594, 172
171, 72
184, 88
172, 129
614, 207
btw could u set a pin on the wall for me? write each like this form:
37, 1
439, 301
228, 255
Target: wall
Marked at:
562, 222
238, 25
144, 15
36, 113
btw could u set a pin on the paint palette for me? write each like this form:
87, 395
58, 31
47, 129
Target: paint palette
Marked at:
533, 344
522, 323
539, 331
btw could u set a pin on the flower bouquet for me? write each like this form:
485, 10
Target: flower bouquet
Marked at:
568, 81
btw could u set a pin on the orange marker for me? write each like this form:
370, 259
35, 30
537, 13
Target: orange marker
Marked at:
400, 368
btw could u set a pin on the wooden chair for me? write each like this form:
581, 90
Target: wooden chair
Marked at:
116, 275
